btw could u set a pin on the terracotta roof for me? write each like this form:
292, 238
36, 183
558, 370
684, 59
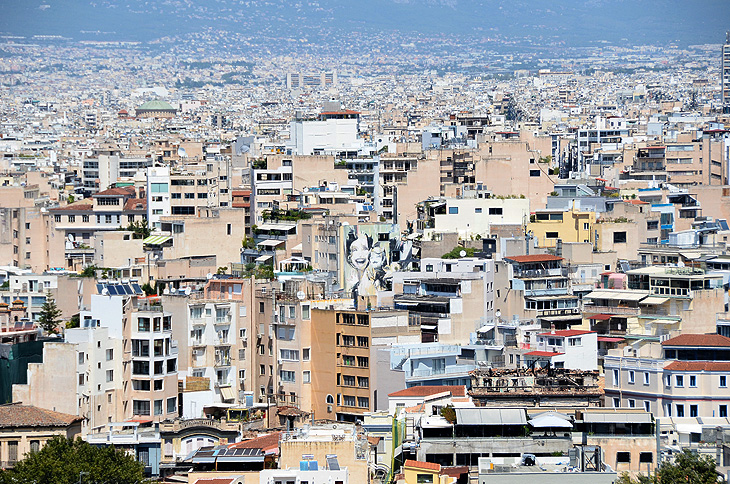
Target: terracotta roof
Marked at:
264, 442
131, 204
422, 465
120, 191
428, 390
83, 204
30, 416
698, 366
698, 340
291, 412
543, 353
216, 480
567, 332
522, 259
454, 471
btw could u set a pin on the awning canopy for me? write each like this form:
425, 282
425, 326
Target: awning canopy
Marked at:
485, 328
550, 421
601, 317
609, 339
156, 239
262, 258
276, 226
490, 416
227, 393
618, 295
616, 417
654, 300
270, 243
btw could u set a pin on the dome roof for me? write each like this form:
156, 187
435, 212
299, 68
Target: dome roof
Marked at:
156, 105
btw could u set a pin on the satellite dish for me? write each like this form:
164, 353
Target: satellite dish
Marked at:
301, 295
209, 276
173, 290
462, 253
105, 292
70, 237
182, 153
188, 290
498, 313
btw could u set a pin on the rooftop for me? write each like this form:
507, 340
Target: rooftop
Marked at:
30, 416
713, 340
525, 259
428, 390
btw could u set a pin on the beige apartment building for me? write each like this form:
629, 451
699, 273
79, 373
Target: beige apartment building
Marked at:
27, 236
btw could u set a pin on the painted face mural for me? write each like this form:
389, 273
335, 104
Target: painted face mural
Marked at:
374, 253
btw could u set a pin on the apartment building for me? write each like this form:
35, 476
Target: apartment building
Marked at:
549, 226
685, 377
470, 217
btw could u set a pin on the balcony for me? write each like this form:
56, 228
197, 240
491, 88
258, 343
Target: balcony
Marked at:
452, 370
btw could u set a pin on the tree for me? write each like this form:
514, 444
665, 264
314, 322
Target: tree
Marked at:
687, 467
66, 461
140, 229
455, 253
50, 315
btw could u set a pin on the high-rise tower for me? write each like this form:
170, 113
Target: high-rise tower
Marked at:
725, 74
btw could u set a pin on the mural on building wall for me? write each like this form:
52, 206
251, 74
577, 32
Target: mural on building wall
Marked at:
373, 253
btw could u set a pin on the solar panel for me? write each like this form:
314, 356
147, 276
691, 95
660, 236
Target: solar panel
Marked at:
112, 290
124, 288
137, 289
332, 463
723, 224
99, 288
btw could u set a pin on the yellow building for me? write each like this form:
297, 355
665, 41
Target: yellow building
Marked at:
416, 472
547, 226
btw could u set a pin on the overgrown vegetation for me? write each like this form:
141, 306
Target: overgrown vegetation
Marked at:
687, 467
50, 315
289, 215
455, 253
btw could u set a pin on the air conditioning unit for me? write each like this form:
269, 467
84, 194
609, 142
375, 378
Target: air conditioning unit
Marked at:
329, 408
280, 361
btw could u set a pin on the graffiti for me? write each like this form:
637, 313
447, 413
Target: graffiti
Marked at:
373, 254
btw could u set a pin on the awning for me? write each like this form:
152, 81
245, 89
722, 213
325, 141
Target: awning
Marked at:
616, 417
156, 239
550, 421
561, 317
601, 317
262, 258
654, 300
227, 393
485, 328
664, 321
617, 295
273, 226
270, 243
609, 339
490, 416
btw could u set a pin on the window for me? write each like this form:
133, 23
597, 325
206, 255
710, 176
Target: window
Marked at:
141, 385
552, 235
693, 381
348, 340
362, 341
646, 458
652, 224
305, 311
261, 307
495, 211
616, 402
632, 403
667, 381
12, 452
453, 210
348, 401
35, 445
646, 378
680, 410
478, 210
723, 411
363, 382
575, 342
348, 380
623, 457
723, 381
262, 369
586, 226
647, 406
143, 324
363, 402
158, 187
287, 376
109, 376
678, 382
141, 407
289, 355
424, 478
140, 368
158, 385
631, 376
619, 237
306, 377
81, 360
305, 354
615, 377
158, 407
534, 172
348, 360
362, 361
693, 411
109, 354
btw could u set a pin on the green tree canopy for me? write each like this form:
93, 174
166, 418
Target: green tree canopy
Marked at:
65, 461
687, 467
50, 315
455, 253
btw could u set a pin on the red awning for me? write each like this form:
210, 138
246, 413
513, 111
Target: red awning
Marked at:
601, 317
609, 339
